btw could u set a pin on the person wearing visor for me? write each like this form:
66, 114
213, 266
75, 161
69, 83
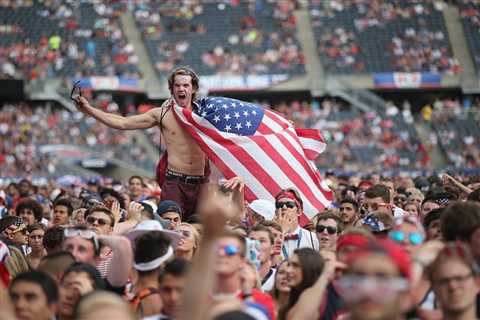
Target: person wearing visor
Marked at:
289, 207
84, 245
152, 251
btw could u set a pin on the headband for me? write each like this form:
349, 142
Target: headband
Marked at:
154, 264
289, 195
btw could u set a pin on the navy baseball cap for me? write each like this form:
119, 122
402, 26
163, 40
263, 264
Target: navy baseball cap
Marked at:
169, 206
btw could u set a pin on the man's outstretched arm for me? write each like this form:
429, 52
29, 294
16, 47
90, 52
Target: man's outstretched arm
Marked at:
141, 121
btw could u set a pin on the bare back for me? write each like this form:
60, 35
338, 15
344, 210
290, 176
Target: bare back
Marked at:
184, 154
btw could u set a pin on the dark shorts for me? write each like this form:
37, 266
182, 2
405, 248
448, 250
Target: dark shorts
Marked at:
183, 189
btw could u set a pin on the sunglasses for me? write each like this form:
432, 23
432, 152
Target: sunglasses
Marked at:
373, 206
288, 204
85, 234
415, 238
330, 230
354, 288
101, 222
229, 250
76, 91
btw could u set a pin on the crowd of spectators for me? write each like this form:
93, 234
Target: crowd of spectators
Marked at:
417, 50
359, 141
26, 128
260, 37
385, 248
382, 36
470, 14
57, 38
456, 124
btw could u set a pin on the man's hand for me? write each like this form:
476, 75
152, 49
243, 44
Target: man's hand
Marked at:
215, 209
134, 212
82, 104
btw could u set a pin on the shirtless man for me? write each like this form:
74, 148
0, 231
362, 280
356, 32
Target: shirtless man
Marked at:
185, 172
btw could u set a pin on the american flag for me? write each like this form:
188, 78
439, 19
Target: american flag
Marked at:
243, 139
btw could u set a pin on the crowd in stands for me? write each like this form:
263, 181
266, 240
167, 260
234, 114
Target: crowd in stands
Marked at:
470, 14
385, 248
456, 124
218, 37
359, 141
26, 128
382, 36
57, 38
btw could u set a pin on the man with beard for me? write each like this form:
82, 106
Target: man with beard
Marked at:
348, 212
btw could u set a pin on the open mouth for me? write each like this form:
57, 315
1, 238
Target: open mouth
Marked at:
324, 239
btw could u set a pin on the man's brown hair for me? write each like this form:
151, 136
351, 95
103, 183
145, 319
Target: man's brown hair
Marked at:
261, 227
184, 71
378, 190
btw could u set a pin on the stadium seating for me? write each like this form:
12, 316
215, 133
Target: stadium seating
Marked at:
394, 35
61, 38
470, 13
215, 37
29, 127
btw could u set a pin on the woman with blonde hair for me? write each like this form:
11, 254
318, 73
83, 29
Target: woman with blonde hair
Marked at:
188, 243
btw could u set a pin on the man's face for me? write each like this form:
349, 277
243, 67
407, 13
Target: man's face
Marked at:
375, 303
24, 189
171, 290
277, 241
429, 206
136, 187
376, 204
266, 246
35, 239
60, 215
327, 234
18, 235
288, 208
183, 90
73, 286
82, 249
455, 287
100, 223
173, 217
400, 200
27, 216
229, 261
348, 214
30, 302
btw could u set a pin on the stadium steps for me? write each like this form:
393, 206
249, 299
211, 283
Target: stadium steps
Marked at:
152, 85
460, 47
144, 141
424, 130
313, 66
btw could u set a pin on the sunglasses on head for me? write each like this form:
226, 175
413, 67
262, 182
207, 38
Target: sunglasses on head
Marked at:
415, 238
330, 230
101, 222
288, 204
229, 250
86, 234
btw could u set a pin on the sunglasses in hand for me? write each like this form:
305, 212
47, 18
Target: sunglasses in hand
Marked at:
76, 91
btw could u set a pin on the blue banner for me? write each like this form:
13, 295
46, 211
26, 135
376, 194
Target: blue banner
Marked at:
399, 80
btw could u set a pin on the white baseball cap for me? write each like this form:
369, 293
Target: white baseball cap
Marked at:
264, 208
153, 225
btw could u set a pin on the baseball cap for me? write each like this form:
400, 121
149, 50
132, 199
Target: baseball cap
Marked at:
169, 206
152, 225
264, 208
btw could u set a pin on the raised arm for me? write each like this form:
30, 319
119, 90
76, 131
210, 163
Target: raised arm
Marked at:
141, 121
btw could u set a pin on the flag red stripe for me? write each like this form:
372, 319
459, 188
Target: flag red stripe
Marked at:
241, 155
224, 168
290, 172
